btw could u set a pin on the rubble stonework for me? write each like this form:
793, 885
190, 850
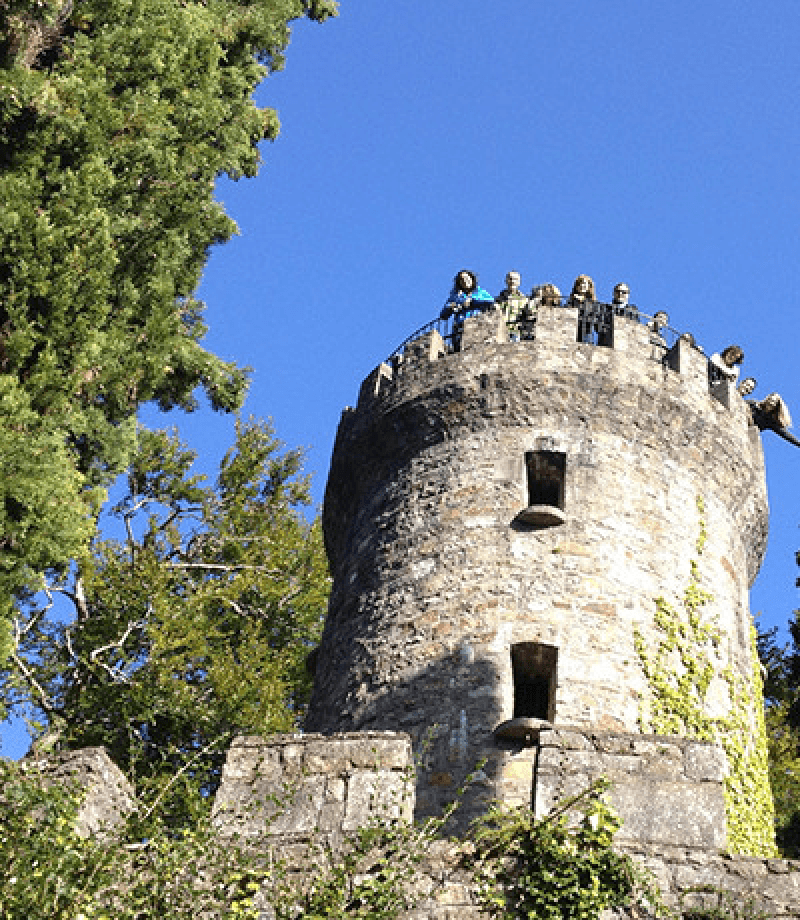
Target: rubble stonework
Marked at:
437, 575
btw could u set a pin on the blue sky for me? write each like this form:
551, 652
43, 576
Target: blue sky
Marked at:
651, 143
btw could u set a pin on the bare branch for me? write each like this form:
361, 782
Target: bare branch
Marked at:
213, 566
79, 599
133, 624
183, 769
44, 700
20, 630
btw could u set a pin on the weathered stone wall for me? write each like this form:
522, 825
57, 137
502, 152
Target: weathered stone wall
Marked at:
297, 787
284, 792
668, 791
771, 886
106, 795
435, 577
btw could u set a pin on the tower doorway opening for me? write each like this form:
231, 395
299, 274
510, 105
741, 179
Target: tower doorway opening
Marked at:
534, 668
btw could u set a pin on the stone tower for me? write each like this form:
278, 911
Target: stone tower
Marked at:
558, 529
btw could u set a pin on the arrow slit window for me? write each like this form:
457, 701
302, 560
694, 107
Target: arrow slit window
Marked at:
534, 666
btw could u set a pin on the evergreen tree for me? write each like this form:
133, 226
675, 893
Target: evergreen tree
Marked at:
116, 117
193, 625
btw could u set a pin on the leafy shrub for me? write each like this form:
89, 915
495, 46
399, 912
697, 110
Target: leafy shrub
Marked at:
562, 867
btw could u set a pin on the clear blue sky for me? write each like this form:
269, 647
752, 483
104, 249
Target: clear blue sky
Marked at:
651, 143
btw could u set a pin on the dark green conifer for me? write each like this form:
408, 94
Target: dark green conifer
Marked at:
116, 117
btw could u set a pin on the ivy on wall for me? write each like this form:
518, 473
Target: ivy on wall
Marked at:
680, 670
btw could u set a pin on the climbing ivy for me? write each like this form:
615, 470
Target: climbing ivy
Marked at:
679, 671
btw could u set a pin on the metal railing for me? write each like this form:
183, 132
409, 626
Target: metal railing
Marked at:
595, 327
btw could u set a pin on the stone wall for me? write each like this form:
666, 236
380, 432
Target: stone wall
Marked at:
668, 791
283, 792
106, 795
292, 788
771, 886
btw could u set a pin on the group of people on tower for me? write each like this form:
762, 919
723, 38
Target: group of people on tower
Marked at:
769, 413
468, 298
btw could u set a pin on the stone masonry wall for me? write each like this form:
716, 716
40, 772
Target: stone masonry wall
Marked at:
436, 577
668, 791
107, 795
293, 788
280, 793
334, 785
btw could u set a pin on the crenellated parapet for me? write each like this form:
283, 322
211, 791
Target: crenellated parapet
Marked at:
632, 339
666, 395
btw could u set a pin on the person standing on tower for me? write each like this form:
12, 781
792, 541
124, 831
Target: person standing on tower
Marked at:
513, 303
467, 297
724, 365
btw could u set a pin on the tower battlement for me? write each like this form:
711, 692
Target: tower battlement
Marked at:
632, 349
636, 380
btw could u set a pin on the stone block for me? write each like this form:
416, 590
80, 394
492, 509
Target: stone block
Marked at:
784, 887
377, 795
681, 814
613, 765
331, 816
374, 385
705, 762
487, 328
614, 744
297, 813
518, 770
107, 796
573, 740
549, 759
385, 753
292, 757
327, 756
688, 876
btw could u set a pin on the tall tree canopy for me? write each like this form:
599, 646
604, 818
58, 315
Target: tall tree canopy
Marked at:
116, 116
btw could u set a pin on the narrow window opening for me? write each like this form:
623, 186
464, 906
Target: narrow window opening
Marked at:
546, 475
534, 667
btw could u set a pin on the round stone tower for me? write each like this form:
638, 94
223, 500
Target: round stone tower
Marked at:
523, 532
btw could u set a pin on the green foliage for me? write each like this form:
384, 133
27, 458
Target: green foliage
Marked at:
557, 867
44, 511
115, 120
48, 870
679, 671
191, 627
781, 695
373, 878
